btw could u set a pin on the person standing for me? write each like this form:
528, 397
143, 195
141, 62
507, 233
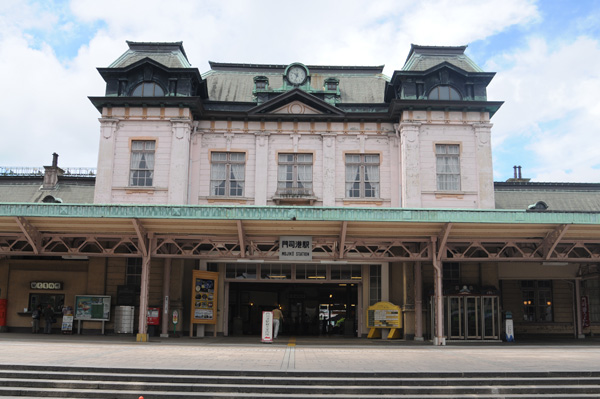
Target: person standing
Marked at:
49, 318
36, 315
277, 320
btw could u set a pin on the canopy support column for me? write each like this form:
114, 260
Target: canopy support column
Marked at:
579, 314
142, 335
438, 338
418, 302
166, 292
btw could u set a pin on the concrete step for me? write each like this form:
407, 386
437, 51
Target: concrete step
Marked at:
74, 382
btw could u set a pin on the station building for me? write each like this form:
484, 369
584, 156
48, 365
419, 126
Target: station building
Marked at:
321, 190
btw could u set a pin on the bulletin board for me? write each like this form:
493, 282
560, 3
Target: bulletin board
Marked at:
92, 307
204, 297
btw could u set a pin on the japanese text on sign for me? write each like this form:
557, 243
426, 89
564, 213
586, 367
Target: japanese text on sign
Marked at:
295, 248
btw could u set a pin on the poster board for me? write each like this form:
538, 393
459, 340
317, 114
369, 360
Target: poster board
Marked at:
384, 315
92, 307
204, 297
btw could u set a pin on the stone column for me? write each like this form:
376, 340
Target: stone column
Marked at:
106, 160
179, 163
411, 165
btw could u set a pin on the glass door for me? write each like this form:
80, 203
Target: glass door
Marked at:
490, 314
472, 326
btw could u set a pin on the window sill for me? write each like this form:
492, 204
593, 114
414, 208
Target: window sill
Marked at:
140, 189
239, 200
363, 201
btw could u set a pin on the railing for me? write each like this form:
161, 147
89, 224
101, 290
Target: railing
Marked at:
294, 192
39, 171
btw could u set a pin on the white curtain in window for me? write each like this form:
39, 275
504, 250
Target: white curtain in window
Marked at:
305, 176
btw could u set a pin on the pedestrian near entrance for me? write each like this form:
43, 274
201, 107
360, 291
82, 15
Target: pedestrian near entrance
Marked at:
49, 319
277, 320
36, 315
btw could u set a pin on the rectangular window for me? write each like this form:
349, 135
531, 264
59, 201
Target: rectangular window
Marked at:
537, 300
141, 172
362, 176
374, 284
451, 274
227, 174
133, 273
448, 167
295, 174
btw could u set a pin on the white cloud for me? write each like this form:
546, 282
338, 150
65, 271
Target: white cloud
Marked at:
551, 103
49, 110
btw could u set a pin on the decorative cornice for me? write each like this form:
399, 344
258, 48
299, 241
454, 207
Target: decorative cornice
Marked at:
296, 213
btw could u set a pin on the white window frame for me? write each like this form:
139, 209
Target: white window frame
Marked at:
141, 169
362, 176
295, 176
227, 174
448, 177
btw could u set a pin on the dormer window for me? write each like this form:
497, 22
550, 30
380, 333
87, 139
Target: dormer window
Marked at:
444, 92
331, 84
148, 89
261, 83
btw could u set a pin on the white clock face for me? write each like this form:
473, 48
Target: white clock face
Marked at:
296, 75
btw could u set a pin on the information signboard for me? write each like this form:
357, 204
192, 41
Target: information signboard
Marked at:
204, 297
92, 307
384, 315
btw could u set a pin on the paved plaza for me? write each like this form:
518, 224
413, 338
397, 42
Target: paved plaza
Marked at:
301, 354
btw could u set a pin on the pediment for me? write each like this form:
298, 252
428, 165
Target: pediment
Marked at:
297, 108
296, 102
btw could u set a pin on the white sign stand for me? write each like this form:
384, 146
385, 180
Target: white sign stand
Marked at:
267, 328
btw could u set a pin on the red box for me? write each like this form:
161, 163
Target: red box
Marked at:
153, 316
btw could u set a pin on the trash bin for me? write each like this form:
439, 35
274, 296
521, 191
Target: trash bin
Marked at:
124, 317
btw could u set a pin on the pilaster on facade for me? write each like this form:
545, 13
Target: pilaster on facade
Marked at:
179, 165
104, 174
261, 167
411, 165
329, 173
485, 171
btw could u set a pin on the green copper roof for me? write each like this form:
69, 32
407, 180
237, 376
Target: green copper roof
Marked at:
282, 213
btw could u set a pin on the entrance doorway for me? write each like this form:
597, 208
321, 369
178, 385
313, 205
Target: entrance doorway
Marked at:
471, 317
308, 309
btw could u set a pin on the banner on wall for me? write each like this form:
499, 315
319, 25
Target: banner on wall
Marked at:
585, 311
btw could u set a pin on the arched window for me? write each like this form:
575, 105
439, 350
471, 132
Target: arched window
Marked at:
444, 93
148, 89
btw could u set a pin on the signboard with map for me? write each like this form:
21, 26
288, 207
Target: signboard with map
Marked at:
92, 307
204, 297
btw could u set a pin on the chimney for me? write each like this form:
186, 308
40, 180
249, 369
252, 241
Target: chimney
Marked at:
51, 174
518, 176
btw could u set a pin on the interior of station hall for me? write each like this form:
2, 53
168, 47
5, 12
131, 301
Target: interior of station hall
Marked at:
386, 183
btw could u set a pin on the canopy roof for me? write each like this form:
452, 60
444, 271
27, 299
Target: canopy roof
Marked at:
245, 232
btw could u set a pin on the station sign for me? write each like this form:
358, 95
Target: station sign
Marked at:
46, 285
295, 248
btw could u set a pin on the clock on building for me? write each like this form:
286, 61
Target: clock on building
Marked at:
296, 75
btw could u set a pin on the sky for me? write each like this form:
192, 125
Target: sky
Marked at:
546, 56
